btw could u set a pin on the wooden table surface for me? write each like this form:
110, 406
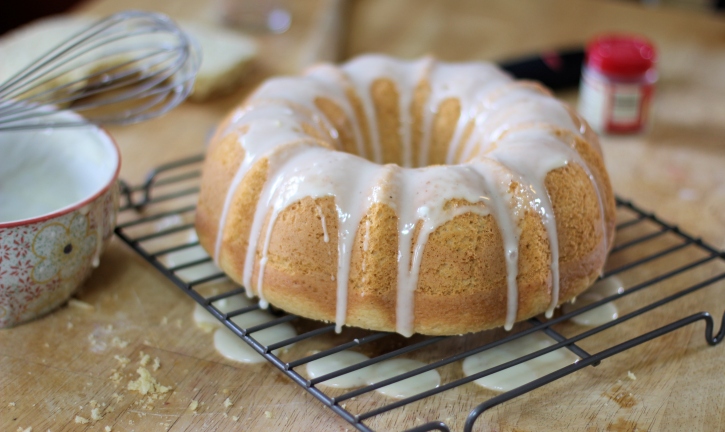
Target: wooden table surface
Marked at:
51, 369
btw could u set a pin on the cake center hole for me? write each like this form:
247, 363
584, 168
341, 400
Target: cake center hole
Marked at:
416, 135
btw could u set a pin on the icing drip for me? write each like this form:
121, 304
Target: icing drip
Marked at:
502, 135
546, 154
271, 128
533, 169
326, 236
366, 239
428, 190
316, 172
506, 219
99, 235
97, 219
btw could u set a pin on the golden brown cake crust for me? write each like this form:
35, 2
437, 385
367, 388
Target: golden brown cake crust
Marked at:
462, 282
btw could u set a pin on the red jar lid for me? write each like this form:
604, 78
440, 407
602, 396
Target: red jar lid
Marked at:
623, 55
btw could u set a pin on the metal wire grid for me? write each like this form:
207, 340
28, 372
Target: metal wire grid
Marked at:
177, 176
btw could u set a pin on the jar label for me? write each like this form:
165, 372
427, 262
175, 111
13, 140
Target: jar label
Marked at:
614, 107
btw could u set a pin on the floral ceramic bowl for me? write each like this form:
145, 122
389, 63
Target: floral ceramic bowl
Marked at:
58, 205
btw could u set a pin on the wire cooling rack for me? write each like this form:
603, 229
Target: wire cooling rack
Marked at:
651, 256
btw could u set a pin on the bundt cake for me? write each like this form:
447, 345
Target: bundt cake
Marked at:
410, 196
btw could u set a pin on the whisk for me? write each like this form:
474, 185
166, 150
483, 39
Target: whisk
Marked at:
126, 68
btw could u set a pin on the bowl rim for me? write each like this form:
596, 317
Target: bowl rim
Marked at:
73, 207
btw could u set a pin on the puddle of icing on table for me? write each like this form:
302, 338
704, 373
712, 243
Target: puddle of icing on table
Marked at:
186, 255
337, 361
520, 374
407, 387
232, 347
226, 342
229, 344
599, 315
374, 374
206, 321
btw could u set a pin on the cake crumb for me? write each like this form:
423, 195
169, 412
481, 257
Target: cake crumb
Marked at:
146, 384
225, 392
11, 404
122, 359
46, 345
107, 428
268, 414
227, 403
235, 418
225, 415
81, 420
343, 406
193, 405
631, 376
206, 327
69, 325
156, 365
96, 414
93, 403
178, 323
28, 429
109, 328
118, 342
79, 304
143, 358
164, 320
115, 376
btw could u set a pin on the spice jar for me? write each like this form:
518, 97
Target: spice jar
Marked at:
617, 82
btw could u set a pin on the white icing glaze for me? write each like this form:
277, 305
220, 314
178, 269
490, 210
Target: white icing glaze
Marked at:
599, 315
408, 387
512, 139
337, 361
509, 379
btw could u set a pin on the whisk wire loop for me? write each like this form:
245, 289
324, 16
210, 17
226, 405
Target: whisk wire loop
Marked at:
125, 68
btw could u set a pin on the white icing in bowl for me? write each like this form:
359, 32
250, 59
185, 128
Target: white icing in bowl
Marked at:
47, 172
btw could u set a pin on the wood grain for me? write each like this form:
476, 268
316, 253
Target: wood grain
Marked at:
52, 368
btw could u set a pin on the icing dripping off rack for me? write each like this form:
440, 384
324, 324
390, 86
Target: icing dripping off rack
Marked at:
659, 264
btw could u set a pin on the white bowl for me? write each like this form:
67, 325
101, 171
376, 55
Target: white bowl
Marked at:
58, 206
